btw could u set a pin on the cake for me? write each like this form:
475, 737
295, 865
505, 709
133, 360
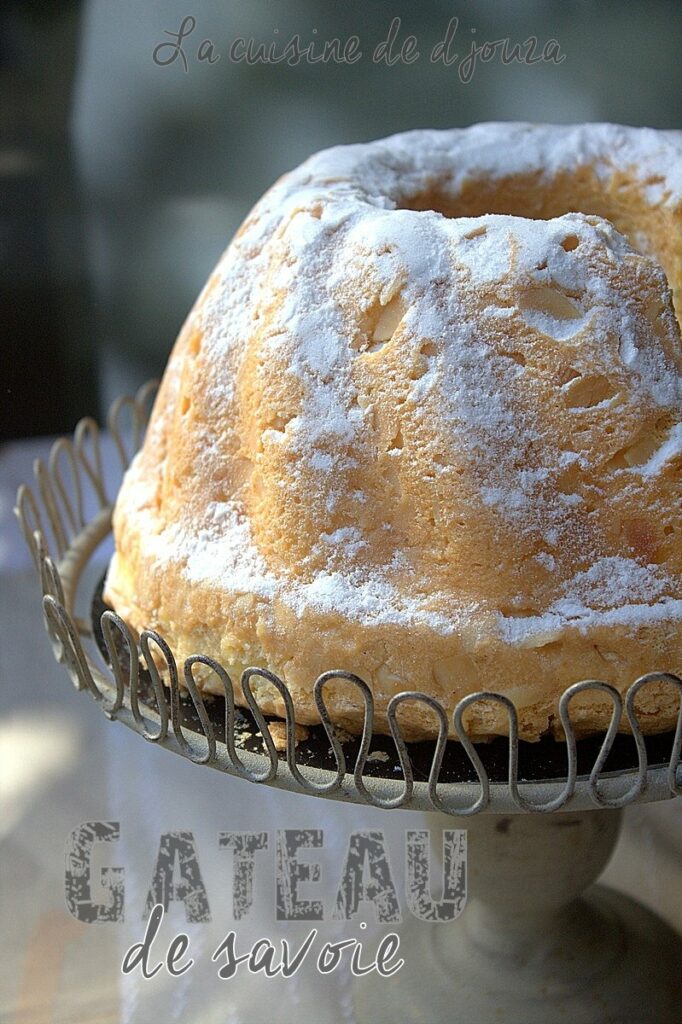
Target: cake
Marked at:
424, 424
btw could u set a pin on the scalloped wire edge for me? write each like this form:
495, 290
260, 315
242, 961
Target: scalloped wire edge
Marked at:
65, 515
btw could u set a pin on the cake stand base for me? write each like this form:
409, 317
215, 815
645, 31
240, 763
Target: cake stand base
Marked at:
529, 948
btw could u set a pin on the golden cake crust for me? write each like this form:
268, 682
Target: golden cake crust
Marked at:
424, 424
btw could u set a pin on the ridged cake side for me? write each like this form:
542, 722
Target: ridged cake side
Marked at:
442, 451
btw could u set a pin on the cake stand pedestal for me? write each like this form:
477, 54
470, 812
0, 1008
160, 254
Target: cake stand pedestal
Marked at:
537, 940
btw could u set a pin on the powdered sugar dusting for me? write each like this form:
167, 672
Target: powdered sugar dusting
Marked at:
670, 449
330, 247
632, 582
223, 552
613, 591
499, 150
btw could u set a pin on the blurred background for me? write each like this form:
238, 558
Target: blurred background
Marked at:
123, 180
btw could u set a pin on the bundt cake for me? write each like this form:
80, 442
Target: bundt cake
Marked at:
424, 423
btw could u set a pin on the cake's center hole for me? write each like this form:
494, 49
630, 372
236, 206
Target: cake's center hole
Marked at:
648, 229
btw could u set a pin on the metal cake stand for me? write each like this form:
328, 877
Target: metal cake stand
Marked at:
538, 941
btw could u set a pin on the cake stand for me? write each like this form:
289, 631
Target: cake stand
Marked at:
538, 940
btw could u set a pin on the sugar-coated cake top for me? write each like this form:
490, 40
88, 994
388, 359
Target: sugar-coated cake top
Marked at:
406, 416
